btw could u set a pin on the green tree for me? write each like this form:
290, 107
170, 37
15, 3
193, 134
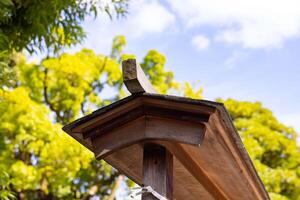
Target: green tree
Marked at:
38, 25
7, 75
46, 26
41, 160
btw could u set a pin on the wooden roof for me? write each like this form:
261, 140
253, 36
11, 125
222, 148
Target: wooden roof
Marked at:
210, 161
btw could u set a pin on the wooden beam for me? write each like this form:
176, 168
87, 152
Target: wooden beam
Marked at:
158, 171
131, 115
148, 128
135, 79
191, 165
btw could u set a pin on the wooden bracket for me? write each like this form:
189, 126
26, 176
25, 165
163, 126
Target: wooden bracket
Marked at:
148, 128
135, 79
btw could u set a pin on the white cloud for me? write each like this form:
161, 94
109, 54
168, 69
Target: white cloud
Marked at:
149, 17
201, 42
144, 18
251, 23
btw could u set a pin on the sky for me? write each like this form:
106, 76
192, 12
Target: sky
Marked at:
241, 49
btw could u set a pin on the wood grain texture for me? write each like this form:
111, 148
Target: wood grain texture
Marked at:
135, 79
148, 128
115, 109
144, 110
186, 187
197, 171
219, 168
157, 171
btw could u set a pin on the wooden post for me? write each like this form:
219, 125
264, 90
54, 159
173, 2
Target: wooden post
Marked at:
158, 171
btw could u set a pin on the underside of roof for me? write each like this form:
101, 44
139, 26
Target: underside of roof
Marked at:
210, 161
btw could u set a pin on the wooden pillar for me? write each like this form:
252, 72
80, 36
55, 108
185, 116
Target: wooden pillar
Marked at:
158, 171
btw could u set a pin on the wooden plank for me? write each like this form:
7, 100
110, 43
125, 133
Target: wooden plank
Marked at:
157, 171
128, 161
119, 138
191, 165
106, 114
177, 131
135, 79
177, 103
238, 152
140, 111
116, 109
148, 128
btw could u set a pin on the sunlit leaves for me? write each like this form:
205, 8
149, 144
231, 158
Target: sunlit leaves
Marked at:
5, 191
34, 150
189, 91
119, 43
7, 72
38, 155
154, 66
70, 84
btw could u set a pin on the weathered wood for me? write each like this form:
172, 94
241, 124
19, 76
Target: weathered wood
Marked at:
148, 128
143, 110
158, 171
186, 187
129, 103
196, 170
219, 169
135, 79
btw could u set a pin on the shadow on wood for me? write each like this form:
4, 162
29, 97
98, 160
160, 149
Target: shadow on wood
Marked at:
209, 159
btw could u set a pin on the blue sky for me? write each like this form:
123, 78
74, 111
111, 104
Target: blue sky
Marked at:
246, 50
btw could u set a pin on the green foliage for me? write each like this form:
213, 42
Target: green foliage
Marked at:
153, 65
36, 25
5, 192
7, 72
35, 153
70, 84
42, 161
189, 91
272, 147
119, 43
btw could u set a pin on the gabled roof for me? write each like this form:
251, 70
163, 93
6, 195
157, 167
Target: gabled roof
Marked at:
210, 159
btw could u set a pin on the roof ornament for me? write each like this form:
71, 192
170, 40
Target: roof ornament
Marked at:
135, 79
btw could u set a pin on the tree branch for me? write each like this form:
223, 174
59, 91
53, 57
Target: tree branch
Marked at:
116, 186
47, 101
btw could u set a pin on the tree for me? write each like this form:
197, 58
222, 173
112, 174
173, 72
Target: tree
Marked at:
41, 160
35, 153
38, 25
45, 26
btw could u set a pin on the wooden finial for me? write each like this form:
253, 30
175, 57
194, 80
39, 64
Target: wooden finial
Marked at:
135, 79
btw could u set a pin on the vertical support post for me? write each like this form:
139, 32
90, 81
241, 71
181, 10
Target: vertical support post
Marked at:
158, 171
